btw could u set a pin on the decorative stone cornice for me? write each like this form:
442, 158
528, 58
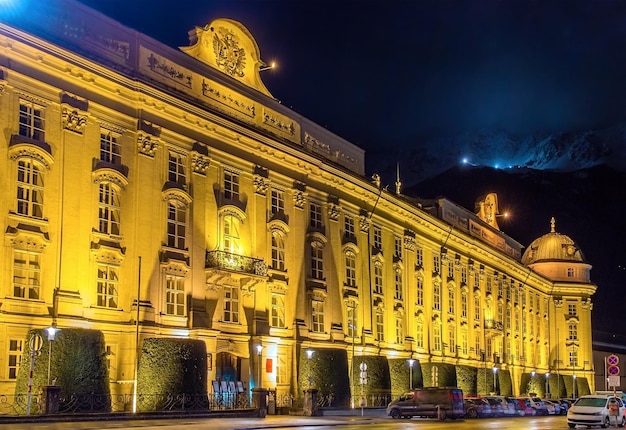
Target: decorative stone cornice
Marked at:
299, 199
364, 223
147, 144
333, 211
410, 243
199, 163
261, 184
73, 120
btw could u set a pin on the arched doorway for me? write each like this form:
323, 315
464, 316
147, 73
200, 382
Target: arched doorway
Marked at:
227, 367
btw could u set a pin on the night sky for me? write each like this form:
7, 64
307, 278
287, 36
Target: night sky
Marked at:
401, 73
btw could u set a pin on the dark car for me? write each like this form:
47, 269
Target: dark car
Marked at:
434, 402
477, 408
496, 406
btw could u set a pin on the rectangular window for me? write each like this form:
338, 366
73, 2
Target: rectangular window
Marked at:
176, 225
175, 295
437, 296
278, 252
108, 284
378, 238
452, 339
464, 275
451, 300
176, 168
378, 280
419, 333
31, 120
231, 185
477, 345
380, 326
436, 336
318, 316
464, 305
508, 317
231, 304
397, 242
573, 358
317, 261
278, 310
488, 286
419, 257
110, 149
420, 292
281, 369
464, 343
477, 307
571, 309
14, 359
399, 333
436, 264
350, 260
573, 331
348, 225
108, 209
450, 269
26, 274
571, 272
351, 313
277, 203
315, 215
398, 292
30, 187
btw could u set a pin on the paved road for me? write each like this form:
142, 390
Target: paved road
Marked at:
313, 423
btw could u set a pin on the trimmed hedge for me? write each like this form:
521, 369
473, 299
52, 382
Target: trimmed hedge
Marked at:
400, 373
557, 386
484, 380
466, 379
328, 370
78, 364
530, 384
446, 374
170, 366
378, 375
505, 384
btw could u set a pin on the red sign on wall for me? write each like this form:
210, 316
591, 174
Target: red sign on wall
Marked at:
268, 365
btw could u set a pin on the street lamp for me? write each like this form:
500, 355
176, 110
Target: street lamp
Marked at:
495, 372
309, 354
259, 349
52, 331
574, 386
411, 363
547, 384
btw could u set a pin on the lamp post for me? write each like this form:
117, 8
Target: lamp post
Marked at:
411, 363
52, 331
309, 354
547, 384
495, 372
574, 386
259, 350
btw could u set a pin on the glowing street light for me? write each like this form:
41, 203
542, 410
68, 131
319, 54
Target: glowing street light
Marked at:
495, 372
259, 350
52, 331
547, 384
309, 354
411, 363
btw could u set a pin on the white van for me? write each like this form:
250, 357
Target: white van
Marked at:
596, 410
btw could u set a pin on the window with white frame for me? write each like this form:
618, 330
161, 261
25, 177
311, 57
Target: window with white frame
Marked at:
14, 357
231, 304
419, 257
399, 331
174, 295
26, 274
464, 304
451, 300
31, 120
278, 251
508, 318
30, 188
452, 338
488, 284
420, 292
437, 335
231, 239
478, 309
348, 225
572, 329
464, 275
380, 325
315, 215
571, 272
378, 238
477, 279
351, 319
419, 334
176, 168
108, 209
436, 264
350, 262
317, 316
281, 369
398, 284
516, 320
571, 309
317, 260
450, 269
231, 185
378, 279
477, 344
573, 357
464, 342
176, 224
397, 243
436, 296
110, 149
278, 310
107, 286
277, 201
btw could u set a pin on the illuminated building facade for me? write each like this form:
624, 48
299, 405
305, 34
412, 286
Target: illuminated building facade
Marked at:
165, 192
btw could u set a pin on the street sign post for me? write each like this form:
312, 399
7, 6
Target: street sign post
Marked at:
34, 343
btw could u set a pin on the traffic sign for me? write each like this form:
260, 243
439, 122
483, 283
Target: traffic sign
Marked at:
35, 342
613, 370
612, 360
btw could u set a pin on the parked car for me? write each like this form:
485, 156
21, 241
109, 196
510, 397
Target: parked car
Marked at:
496, 407
565, 404
516, 406
528, 411
596, 410
552, 407
434, 402
537, 404
477, 408
508, 410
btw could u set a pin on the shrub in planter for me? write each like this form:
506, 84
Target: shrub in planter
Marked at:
400, 372
535, 385
171, 367
328, 370
504, 382
378, 379
78, 365
466, 379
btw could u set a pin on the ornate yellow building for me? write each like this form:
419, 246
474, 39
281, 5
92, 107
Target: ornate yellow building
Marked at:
153, 191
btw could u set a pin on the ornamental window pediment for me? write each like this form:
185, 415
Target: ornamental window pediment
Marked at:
108, 174
176, 194
278, 226
31, 150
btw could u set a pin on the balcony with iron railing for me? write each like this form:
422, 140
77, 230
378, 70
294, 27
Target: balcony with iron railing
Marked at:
223, 260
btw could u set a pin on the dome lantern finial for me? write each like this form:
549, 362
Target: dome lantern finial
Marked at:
552, 225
